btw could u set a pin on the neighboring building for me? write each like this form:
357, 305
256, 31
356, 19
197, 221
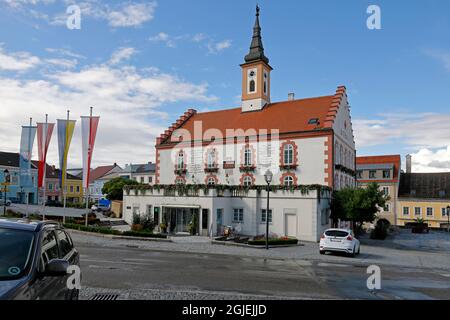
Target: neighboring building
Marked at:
16, 192
424, 195
385, 171
142, 173
97, 180
74, 189
75, 172
53, 190
306, 142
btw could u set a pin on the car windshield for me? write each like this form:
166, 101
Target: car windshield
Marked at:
336, 233
15, 252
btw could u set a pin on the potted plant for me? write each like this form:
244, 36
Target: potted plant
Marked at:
163, 227
419, 226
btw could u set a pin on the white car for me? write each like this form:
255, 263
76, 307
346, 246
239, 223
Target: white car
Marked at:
2, 202
339, 240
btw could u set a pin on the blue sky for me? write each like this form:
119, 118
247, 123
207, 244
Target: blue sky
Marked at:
142, 63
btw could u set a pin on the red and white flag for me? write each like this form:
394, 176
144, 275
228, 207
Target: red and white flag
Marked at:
89, 127
44, 135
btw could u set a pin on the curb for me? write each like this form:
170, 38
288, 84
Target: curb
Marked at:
116, 237
226, 243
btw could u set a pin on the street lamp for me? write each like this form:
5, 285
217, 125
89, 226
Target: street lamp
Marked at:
268, 177
7, 181
448, 218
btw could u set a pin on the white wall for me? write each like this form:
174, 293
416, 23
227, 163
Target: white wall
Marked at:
310, 162
307, 208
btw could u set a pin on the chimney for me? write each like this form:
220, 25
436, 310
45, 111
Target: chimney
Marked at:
408, 163
291, 96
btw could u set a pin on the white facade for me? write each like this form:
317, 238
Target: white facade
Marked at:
304, 216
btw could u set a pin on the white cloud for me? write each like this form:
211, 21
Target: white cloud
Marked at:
216, 47
426, 136
128, 99
65, 52
427, 160
165, 38
132, 15
122, 54
63, 63
17, 61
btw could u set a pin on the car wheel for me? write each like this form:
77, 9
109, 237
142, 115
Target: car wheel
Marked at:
322, 251
359, 250
353, 254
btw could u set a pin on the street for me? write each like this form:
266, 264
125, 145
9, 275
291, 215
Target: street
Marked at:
49, 211
144, 270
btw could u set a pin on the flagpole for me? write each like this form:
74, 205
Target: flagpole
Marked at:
89, 168
65, 171
44, 144
29, 163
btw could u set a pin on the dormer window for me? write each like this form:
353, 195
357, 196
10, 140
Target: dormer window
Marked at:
386, 174
313, 121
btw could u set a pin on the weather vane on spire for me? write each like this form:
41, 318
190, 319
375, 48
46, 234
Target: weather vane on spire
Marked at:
257, 10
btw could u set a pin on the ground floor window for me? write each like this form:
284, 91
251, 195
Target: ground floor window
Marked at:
263, 215
238, 215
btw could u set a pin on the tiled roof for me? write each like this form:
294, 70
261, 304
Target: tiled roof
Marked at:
287, 117
425, 185
381, 161
146, 168
100, 172
51, 172
11, 159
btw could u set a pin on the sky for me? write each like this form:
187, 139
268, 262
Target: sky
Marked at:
141, 64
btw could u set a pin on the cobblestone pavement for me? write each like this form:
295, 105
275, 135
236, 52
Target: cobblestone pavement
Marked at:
193, 268
398, 251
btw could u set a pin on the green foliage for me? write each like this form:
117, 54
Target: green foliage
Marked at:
193, 225
112, 232
114, 188
358, 205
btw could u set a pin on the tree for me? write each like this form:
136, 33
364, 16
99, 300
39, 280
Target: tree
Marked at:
358, 205
114, 188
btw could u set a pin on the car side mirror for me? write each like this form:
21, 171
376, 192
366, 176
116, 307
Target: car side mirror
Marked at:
56, 268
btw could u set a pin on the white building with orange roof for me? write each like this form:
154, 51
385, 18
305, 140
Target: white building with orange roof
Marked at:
211, 165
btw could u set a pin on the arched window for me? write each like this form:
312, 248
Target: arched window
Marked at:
211, 181
180, 160
247, 181
288, 154
252, 86
247, 157
288, 181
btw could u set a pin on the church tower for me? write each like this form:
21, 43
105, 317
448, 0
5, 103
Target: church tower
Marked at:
255, 73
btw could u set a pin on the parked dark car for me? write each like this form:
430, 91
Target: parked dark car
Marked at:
34, 258
53, 203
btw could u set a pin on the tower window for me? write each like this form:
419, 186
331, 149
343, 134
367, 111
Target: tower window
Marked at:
252, 86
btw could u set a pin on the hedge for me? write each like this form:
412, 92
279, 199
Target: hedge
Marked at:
272, 242
113, 232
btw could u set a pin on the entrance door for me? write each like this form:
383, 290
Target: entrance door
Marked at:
219, 220
290, 225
